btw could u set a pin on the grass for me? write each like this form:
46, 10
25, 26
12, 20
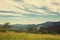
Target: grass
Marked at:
26, 36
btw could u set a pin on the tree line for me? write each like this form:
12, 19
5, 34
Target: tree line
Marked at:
32, 28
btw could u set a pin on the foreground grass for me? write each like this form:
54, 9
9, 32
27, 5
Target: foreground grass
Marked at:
26, 36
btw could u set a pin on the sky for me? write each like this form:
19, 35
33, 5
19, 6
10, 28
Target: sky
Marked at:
29, 11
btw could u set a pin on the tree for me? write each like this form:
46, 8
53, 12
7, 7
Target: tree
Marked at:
6, 26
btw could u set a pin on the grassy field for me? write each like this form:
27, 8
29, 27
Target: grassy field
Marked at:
26, 36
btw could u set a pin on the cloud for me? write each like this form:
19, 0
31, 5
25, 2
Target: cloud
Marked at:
2, 11
54, 3
18, 0
33, 6
29, 9
10, 14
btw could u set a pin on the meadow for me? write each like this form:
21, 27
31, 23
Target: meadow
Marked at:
27, 36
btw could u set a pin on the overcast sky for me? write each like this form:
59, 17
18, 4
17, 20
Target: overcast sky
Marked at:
29, 11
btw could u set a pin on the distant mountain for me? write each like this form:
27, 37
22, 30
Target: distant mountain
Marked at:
47, 26
19, 26
49, 23
51, 27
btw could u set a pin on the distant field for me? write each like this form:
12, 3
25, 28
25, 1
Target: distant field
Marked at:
26, 36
